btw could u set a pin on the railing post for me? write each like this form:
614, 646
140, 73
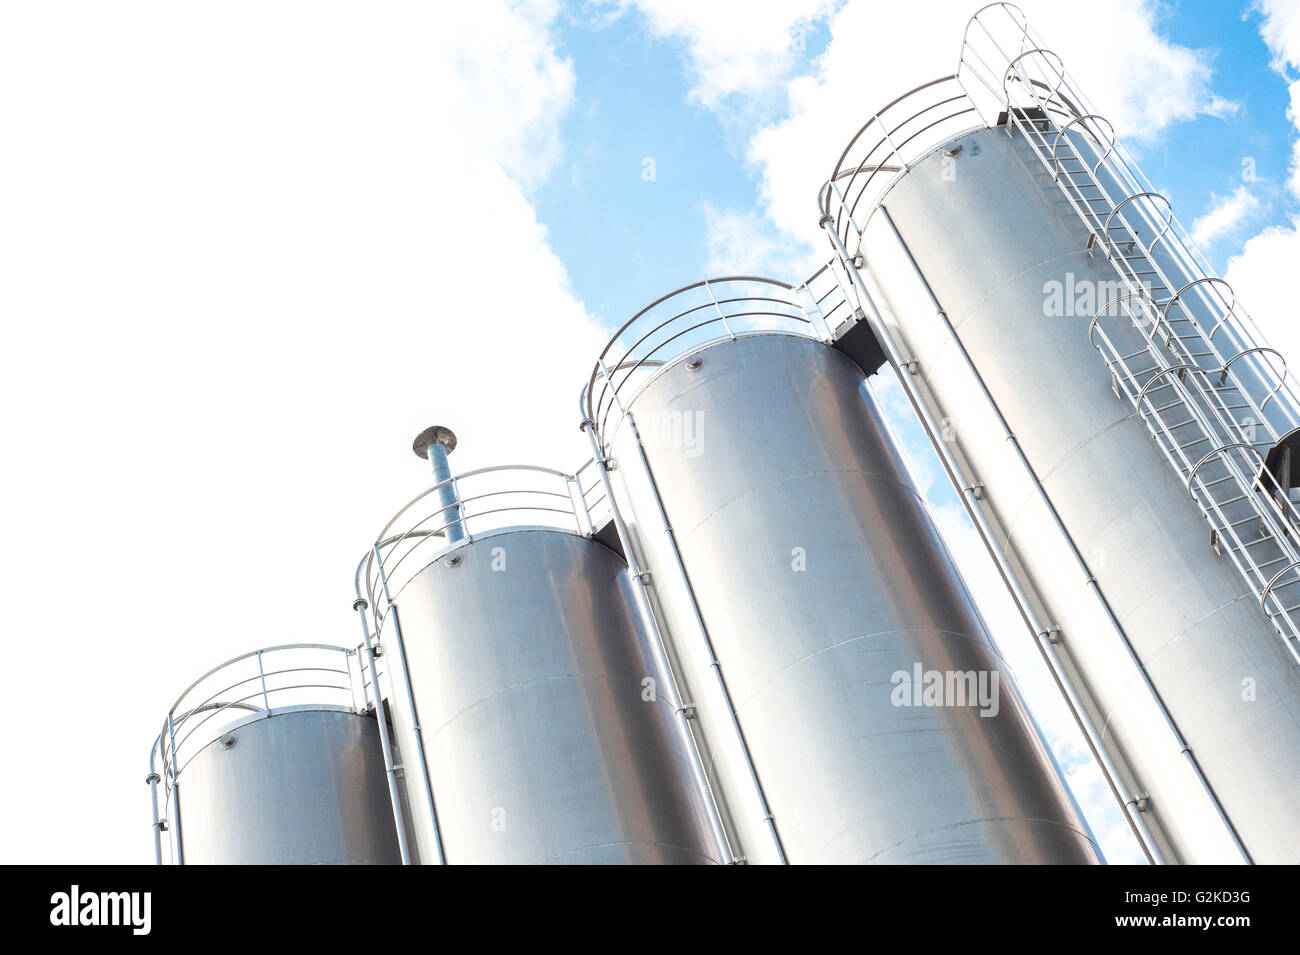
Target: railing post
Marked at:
581, 513
463, 524
818, 324
261, 672
898, 157
721, 314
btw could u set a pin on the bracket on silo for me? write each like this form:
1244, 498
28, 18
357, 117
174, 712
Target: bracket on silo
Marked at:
860, 344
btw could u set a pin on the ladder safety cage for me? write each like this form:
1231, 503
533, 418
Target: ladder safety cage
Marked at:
1215, 398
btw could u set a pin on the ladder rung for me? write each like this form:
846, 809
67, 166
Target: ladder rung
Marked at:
1258, 567
1163, 408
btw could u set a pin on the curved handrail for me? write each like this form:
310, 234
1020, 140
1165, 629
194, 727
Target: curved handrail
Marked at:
1210, 455
1109, 143
1110, 245
936, 112
283, 684
1043, 52
1141, 396
1142, 295
686, 320
1259, 350
975, 18
1268, 588
464, 475
486, 500
1214, 281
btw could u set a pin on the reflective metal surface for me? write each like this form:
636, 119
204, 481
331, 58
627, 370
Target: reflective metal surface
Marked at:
275, 756
819, 579
548, 734
301, 787
1010, 264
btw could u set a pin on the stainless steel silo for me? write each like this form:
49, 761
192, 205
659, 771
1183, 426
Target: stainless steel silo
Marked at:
274, 759
804, 592
538, 705
1115, 425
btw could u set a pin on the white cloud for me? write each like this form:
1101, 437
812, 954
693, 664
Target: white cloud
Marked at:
735, 47
509, 84
744, 66
1280, 28
1261, 278
1225, 215
249, 250
741, 243
1261, 274
1139, 80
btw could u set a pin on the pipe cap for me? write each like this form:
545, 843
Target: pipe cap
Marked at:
435, 435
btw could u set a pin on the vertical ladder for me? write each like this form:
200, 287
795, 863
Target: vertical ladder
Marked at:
1209, 426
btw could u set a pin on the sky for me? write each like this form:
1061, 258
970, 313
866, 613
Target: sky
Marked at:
248, 250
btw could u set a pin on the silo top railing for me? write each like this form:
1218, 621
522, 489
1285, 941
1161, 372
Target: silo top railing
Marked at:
486, 500
893, 138
975, 97
255, 685
705, 313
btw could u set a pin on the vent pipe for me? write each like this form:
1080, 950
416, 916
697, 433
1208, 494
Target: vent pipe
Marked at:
435, 444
